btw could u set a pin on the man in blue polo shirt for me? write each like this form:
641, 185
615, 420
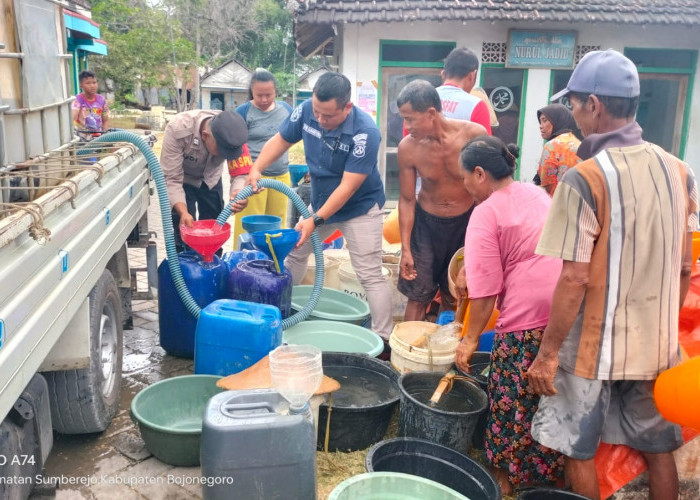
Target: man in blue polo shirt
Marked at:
341, 143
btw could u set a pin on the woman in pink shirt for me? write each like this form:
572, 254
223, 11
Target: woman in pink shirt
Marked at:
502, 270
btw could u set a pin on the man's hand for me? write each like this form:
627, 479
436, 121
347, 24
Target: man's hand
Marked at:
540, 375
253, 177
240, 204
465, 350
306, 227
408, 271
186, 219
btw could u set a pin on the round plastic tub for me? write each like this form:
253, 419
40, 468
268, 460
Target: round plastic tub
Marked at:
333, 305
170, 413
451, 422
385, 485
335, 336
435, 462
362, 408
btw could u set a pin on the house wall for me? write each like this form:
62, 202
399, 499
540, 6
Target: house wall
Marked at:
232, 98
359, 61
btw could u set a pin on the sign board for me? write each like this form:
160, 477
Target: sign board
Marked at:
541, 49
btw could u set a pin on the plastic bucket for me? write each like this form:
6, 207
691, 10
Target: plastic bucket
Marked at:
450, 423
330, 275
349, 282
362, 407
456, 265
398, 299
677, 391
335, 336
332, 305
407, 358
549, 494
480, 361
435, 462
394, 485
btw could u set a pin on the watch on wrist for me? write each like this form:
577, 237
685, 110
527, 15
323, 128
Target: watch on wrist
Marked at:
318, 220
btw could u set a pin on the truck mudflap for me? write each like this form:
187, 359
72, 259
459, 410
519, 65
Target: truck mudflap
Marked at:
26, 438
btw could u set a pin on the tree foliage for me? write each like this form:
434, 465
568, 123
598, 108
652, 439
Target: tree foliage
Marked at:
155, 43
143, 43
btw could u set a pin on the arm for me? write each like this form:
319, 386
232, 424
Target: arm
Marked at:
566, 303
407, 207
105, 116
171, 158
271, 151
349, 184
479, 314
480, 115
548, 161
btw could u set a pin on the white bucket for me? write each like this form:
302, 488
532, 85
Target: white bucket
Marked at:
330, 275
407, 358
351, 285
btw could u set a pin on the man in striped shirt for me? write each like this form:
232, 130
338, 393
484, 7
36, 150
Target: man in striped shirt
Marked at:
622, 221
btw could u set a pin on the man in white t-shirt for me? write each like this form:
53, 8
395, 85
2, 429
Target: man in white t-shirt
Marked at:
459, 78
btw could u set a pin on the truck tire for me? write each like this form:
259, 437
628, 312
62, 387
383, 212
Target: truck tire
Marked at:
86, 400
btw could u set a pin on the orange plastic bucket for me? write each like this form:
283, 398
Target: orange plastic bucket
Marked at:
489, 326
696, 248
390, 230
677, 392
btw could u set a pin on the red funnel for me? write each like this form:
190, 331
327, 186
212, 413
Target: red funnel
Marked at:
206, 237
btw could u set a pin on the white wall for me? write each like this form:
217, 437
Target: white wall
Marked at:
359, 61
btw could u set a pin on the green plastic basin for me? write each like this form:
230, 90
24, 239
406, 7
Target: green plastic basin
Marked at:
335, 336
333, 305
170, 414
392, 486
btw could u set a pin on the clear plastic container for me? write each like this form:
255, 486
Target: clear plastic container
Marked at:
296, 372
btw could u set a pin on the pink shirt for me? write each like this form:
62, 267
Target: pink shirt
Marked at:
500, 259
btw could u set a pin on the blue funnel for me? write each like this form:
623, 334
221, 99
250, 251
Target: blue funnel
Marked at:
276, 243
253, 223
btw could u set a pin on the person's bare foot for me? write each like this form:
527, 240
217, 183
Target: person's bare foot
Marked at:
502, 478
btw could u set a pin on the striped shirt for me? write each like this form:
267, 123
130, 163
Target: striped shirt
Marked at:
627, 211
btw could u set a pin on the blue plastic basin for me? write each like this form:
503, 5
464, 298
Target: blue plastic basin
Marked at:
335, 336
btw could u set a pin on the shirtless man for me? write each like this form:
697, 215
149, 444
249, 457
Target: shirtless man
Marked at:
432, 229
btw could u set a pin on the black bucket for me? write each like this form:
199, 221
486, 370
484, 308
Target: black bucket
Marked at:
435, 462
479, 362
549, 494
364, 404
451, 422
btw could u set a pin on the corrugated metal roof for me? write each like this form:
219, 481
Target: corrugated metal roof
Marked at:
672, 12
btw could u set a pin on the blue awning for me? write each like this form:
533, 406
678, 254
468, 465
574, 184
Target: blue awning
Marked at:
81, 24
88, 45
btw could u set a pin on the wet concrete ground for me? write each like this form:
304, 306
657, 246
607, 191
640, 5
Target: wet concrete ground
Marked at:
116, 465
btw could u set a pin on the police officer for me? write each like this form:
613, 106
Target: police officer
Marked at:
341, 143
195, 147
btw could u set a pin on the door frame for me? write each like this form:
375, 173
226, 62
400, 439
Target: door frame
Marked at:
683, 81
523, 106
382, 114
690, 71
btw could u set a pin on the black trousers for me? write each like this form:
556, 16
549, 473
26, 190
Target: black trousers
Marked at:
202, 203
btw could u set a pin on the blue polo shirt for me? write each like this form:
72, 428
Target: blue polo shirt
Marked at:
352, 147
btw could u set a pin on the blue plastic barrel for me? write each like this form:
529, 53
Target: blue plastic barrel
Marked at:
258, 281
205, 281
233, 258
233, 335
